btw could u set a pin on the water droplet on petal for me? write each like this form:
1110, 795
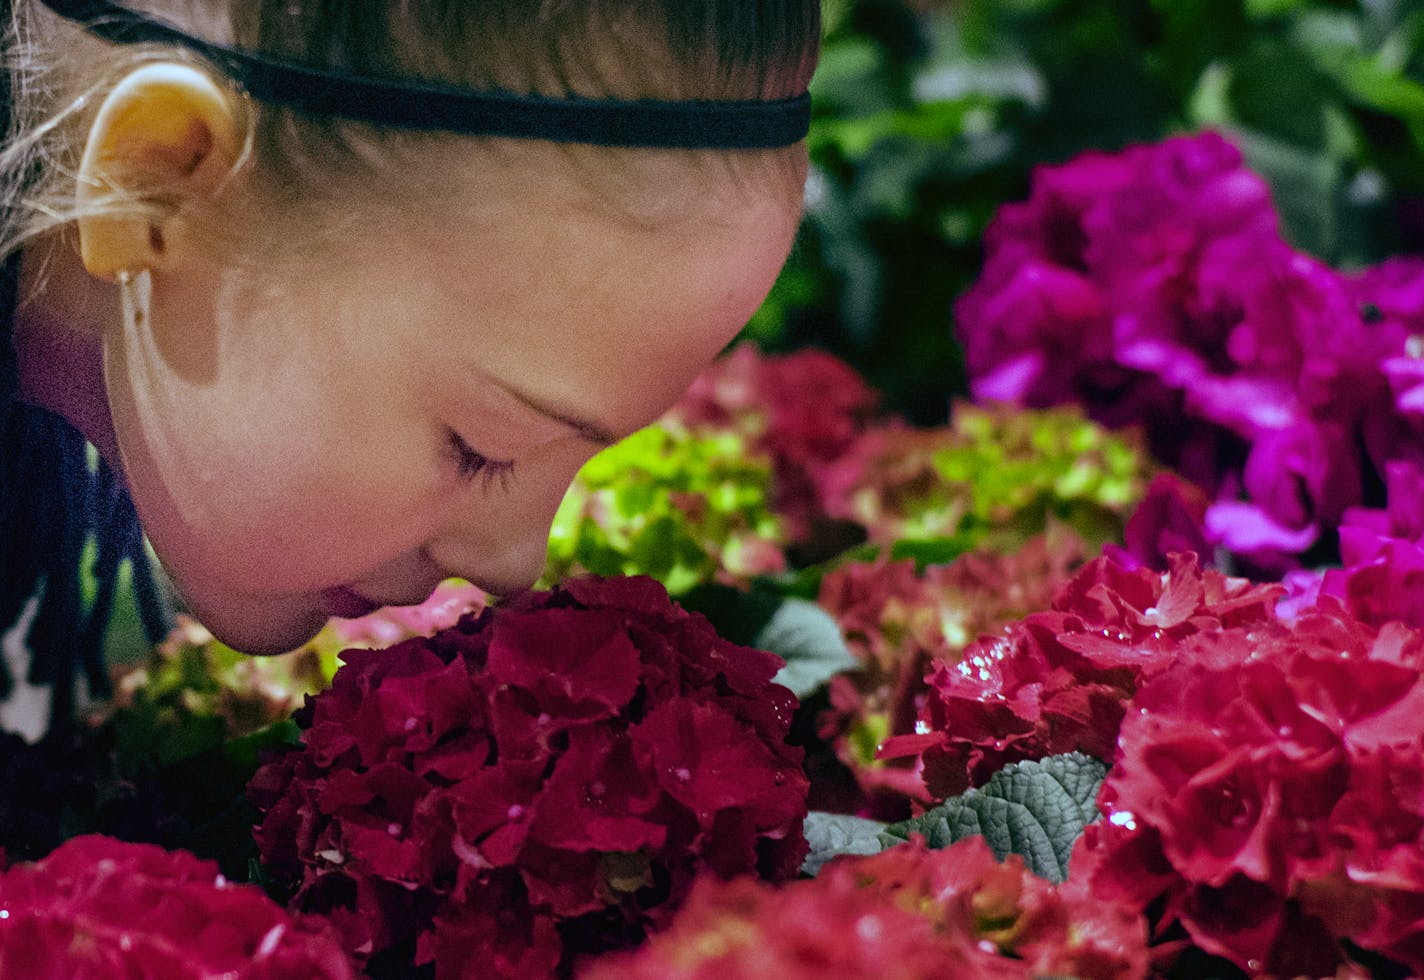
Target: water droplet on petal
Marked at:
682, 774
869, 928
515, 811
393, 829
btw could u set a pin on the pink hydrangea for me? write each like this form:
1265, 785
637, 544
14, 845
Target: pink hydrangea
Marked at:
391, 624
99, 907
1267, 796
1060, 680
536, 781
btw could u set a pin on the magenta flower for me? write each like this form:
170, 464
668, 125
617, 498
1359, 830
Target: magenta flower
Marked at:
1153, 287
1382, 555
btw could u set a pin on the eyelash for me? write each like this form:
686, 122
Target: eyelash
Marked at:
472, 465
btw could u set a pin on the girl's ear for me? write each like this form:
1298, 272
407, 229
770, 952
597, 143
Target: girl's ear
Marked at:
166, 136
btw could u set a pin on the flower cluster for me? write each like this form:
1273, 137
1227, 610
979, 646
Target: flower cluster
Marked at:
1268, 796
803, 410
908, 912
1059, 680
901, 623
994, 477
97, 907
1153, 287
686, 506
535, 782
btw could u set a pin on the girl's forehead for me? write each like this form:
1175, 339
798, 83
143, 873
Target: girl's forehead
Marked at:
552, 301
644, 188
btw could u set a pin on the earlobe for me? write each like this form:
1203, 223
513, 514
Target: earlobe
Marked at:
166, 136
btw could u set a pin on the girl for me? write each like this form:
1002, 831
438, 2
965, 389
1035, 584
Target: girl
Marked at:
346, 293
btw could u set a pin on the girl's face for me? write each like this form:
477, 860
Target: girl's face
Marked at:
412, 405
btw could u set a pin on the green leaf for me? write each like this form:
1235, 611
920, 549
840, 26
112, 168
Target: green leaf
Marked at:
739, 614
833, 834
809, 640
1265, 9
932, 551
1034, 809
245, 754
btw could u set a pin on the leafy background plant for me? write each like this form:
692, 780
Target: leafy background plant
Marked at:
930, 115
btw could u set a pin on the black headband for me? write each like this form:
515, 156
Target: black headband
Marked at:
416, 104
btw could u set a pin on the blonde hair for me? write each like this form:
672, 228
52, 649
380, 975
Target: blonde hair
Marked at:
294, 163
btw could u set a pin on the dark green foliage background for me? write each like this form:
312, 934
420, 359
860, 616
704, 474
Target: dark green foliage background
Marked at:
929, 115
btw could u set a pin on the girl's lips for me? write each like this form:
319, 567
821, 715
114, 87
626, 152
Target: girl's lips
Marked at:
346, 603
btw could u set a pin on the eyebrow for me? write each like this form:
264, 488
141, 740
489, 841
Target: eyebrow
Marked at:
590, 431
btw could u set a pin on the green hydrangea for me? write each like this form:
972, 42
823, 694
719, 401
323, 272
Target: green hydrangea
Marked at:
193, 693
994, 475
685, 506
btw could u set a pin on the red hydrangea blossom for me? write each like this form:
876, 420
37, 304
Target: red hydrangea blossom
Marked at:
1268, 795
803, 409
909, 912
901, 623
1059, 681
552, 770
99, 907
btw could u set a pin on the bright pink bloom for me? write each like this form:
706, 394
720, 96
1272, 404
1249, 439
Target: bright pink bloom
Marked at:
99, 907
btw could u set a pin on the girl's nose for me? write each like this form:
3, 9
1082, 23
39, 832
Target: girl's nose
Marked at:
498, 566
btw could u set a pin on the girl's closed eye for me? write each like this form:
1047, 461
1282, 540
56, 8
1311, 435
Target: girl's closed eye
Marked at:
471, 464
